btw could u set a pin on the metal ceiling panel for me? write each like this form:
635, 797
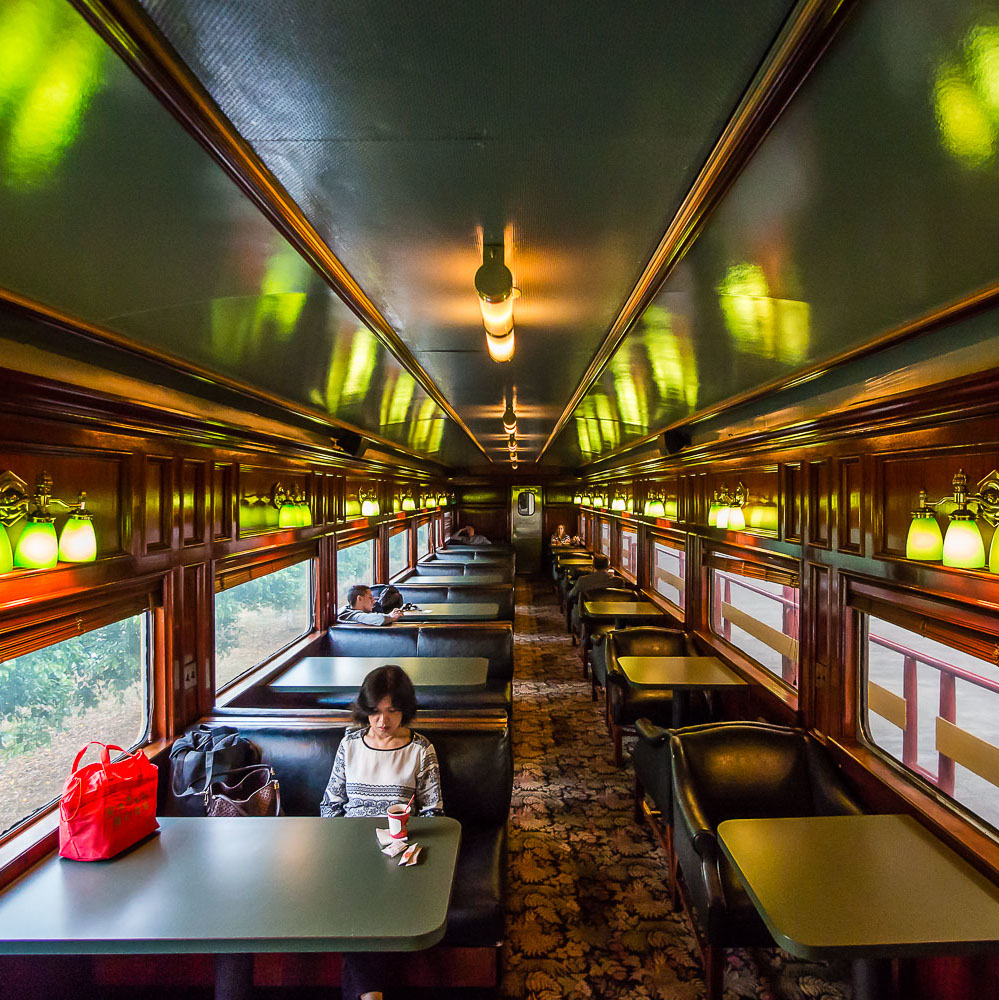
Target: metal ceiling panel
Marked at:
408, 135
871, 203
113, 214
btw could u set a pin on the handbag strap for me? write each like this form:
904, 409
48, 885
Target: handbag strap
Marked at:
208, 794
219, 732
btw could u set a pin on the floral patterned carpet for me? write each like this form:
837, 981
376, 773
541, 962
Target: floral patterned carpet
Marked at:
588, 913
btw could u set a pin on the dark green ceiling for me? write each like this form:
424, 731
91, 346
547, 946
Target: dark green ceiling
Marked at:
409, 134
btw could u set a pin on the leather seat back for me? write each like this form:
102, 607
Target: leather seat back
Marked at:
493, 640
346, 639
476, 765
648, 640
499, 594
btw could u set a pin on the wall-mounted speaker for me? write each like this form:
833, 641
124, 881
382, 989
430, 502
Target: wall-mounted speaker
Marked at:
674, 440
349, 442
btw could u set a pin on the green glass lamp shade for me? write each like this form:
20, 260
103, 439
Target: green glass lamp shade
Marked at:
288, 516
587, 500
304, 515
441, 500
670, 509
598, 501
630, 506
353, 507
6, 555
963, 546
369, 508
37, 548
78, 542
721, 517
408, 503
618, 503
577, 498
736, 519
993, 553
656, 509
713, 512
924, 540
765, 518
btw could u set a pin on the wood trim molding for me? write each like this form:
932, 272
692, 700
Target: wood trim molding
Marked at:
131, 33
805, 36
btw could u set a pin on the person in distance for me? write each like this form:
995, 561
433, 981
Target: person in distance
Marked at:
360, 608
383, 763
561, 536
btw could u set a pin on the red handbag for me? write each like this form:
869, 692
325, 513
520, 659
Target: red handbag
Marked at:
107, 806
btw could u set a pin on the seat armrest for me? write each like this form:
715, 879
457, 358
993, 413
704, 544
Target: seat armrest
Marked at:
699, 827
830, 796
650, 733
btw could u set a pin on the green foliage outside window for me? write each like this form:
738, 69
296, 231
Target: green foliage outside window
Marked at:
354, 564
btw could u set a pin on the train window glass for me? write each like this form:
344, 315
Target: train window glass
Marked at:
447, 526
54, 699
668, 570
605, 537
354, 564
935, 710
628, 562
755, 609
258, 617
398, 552
423, 538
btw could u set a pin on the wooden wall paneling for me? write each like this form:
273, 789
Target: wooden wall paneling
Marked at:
222, 513
792, 502
555, 514
819, 503
815, 667
157, 502
192, 502
849, 503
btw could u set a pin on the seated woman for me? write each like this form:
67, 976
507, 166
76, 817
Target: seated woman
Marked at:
381, 764
561, 537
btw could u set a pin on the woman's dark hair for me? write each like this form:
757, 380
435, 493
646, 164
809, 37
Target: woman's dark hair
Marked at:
390, 599
390, 681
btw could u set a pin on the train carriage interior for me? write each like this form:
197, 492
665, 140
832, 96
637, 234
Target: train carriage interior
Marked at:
644, 355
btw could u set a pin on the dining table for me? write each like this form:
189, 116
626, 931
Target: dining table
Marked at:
681, 675
316, 674
621, 612
867, 888
231, 887
453, 611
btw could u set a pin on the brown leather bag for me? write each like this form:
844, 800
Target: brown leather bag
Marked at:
255, 792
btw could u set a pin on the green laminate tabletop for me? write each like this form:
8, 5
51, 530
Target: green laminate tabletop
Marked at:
453, 611
861, 887
290, 883
471, 580
315, 674
621, 609
678, 672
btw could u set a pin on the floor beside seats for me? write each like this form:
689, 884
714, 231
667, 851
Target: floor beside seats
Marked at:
588, 913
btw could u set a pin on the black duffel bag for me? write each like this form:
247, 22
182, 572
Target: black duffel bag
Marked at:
206, 754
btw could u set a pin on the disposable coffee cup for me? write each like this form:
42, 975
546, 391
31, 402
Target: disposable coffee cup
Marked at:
398, 817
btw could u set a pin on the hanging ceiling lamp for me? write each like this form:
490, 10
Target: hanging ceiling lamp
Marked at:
510, 417
494, 286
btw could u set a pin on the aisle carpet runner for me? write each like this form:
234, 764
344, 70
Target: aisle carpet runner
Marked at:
588, 914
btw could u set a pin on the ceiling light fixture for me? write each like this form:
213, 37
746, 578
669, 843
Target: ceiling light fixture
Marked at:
510, 418
494, 286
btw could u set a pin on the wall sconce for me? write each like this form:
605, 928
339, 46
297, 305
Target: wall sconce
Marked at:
726, 510
369, 504
494, 286
577, 498
292, 507
654, 506
408, 503
441, 499
598, 500
962, 545
38, 547
618, 503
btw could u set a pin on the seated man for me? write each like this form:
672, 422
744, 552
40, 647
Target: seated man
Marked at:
599, 578
359, 609
468, 536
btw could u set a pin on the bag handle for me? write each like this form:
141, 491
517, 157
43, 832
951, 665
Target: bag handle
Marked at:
219, 732
253, 767
75, 780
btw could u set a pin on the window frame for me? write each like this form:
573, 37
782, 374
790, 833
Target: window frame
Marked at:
346, 540
628, 574
742, 661
680, 543
965, 627
395, 530
230, 573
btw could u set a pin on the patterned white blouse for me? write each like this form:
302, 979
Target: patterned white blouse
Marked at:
365, 781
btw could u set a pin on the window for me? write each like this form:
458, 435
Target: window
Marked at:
54, 699
354, 564
605, 537
423, 539
669, 570
398, 552
629, 551
258, 611
754, 607
935, 710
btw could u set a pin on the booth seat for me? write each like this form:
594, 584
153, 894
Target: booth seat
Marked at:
480, 554
740, 770
626, 704
488, 593
491, 640
476, 761
494, 548
592, 631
